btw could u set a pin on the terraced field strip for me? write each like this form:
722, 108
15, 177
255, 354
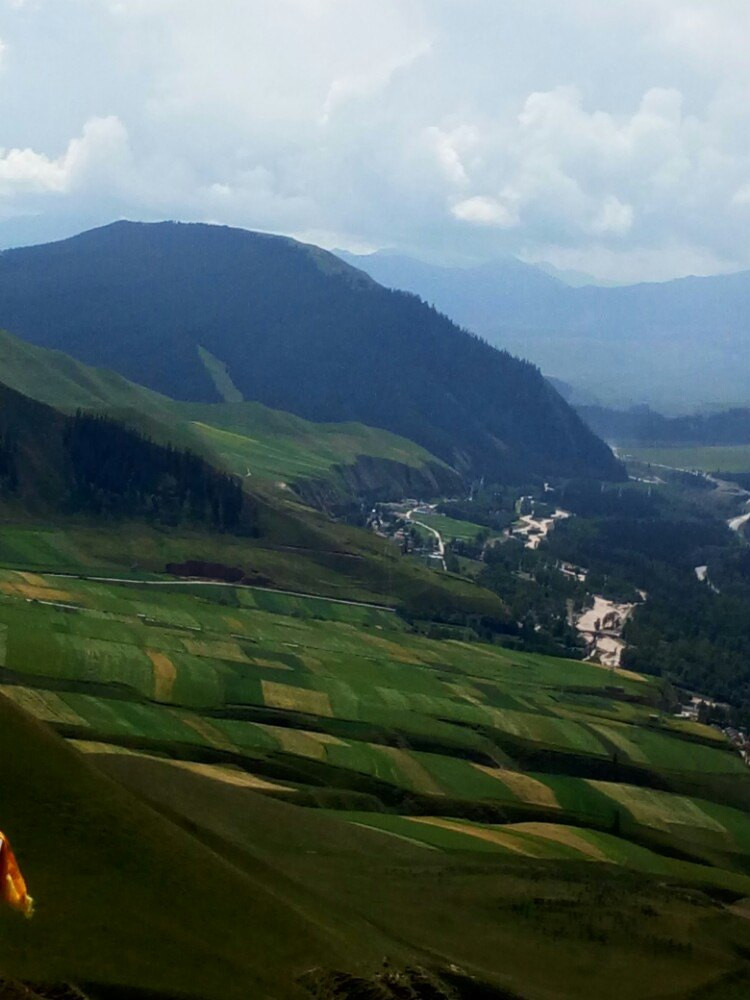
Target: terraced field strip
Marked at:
523, 786
229, 776
36, 592
616, 736
660, 810
97, 747
209, 733
420, 778
497, 837
43, 705
302, 743
296, 699
567, 835
165, 674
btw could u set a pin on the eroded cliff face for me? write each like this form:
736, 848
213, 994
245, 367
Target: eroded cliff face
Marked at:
369, 480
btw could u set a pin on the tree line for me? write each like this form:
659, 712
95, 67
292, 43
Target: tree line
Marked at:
118, 472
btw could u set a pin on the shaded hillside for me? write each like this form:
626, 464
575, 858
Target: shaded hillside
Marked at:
93, 465
244, 438
295, 328
112, 877
674, 343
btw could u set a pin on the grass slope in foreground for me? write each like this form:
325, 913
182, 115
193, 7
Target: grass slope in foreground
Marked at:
184, 886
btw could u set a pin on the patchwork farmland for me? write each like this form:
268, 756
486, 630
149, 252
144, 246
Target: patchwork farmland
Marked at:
453, 745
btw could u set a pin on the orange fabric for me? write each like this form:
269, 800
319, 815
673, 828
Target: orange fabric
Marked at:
13, 889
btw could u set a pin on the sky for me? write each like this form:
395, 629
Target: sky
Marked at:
605, 136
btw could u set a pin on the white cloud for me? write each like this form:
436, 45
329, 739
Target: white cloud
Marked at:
369, 81
100, 154
484, 211
609, 132
613, 217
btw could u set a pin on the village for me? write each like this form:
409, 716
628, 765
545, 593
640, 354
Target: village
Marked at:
411, 524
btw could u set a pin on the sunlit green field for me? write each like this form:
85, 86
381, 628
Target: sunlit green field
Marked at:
450, 528
704, 458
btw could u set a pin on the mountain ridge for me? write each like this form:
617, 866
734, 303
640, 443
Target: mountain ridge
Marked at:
298, 330
654, 342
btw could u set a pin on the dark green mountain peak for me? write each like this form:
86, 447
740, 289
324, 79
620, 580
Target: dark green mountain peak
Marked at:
295, 328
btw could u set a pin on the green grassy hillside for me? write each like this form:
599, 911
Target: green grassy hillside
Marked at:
68, 507
242, 437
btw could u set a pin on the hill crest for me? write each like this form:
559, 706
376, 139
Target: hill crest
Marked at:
297, 330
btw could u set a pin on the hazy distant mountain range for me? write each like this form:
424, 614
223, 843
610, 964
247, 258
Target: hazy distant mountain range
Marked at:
676, 344
204, 313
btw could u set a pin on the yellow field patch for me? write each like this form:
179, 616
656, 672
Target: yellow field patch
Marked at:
165, 674
616, 734
467, 693
216, 649
661, 810
527, 789
298, 743
563, 835
499, 837
394, 651
44, 705
269, 664
229, 776
699, 729
311, 663
301, 742
33, 579
35, 593
93, 746
213, 736
296, 699
235, 623
420, 778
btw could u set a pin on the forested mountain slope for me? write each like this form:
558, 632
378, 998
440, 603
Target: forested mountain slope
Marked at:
642, 425
205, 312
90, 464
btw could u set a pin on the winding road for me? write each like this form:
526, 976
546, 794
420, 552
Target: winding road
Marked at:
190, 582
440, 543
